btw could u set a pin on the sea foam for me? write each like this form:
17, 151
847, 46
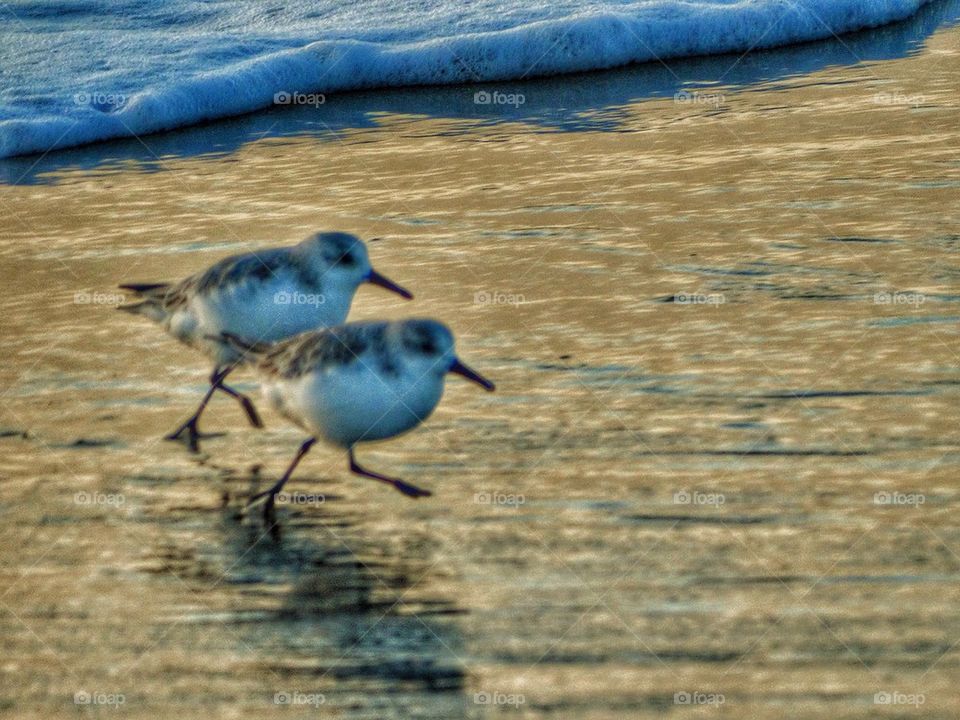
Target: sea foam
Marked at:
68, 83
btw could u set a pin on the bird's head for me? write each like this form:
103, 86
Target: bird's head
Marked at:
342, 262
428, 348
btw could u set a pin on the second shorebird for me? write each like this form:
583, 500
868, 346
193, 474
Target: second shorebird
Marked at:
357, 382
264, 296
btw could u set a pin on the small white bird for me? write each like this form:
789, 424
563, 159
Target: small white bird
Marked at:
264, 296
356, 383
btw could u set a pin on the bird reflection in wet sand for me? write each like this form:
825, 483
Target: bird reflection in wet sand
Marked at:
355, 383
267, 295
340, 606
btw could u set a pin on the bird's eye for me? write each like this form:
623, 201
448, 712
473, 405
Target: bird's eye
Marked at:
427, 347
347, 260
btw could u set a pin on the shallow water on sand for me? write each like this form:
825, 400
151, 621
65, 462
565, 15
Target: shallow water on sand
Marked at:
721, 459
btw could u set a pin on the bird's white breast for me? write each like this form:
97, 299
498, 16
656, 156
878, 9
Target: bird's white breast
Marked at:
353, 402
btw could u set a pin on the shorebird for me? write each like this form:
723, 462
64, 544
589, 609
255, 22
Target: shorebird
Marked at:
354, 383
265, 296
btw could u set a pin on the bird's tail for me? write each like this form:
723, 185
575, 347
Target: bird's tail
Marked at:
150, 300
146, 288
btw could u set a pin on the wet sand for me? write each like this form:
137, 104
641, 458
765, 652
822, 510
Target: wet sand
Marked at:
720, 466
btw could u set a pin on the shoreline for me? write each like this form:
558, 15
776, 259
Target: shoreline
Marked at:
147, 114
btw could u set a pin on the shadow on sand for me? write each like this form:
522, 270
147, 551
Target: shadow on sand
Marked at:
324, 608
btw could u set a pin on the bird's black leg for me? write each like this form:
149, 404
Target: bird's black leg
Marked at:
190, 425
245, 402
407, 489
278, 486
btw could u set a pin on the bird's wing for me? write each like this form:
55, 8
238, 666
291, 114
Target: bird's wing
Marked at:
319, 349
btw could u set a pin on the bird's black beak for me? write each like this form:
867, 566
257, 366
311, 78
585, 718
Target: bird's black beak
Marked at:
460, 369
375, 278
